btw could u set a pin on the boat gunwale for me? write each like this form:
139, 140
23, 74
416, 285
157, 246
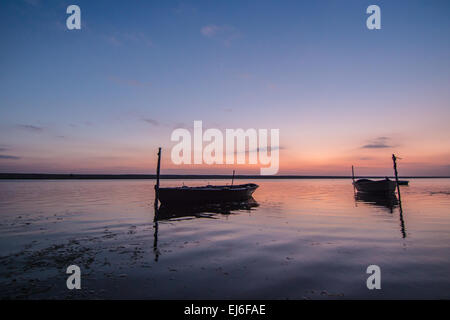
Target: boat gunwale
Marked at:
222, 188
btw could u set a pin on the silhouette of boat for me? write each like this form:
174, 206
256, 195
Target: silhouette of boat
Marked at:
403, 182
377, 199
168, 211
375, 186
179, 196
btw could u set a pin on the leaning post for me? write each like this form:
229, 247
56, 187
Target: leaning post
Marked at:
394, 159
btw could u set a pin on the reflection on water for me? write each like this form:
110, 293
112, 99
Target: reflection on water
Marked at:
383, 200
168, 212
165, 212
304, 239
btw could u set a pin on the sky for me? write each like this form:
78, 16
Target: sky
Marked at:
103, 99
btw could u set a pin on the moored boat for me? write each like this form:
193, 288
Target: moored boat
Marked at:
206, 194
378, 186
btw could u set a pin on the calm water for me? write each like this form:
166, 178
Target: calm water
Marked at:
307, 239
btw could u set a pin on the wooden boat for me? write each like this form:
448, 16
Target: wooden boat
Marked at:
206, 194
376, 186
403, 182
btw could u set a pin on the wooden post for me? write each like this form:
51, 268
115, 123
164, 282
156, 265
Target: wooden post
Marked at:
157, 178
158, 168
232, 179
394, 158
353, 182
402, 222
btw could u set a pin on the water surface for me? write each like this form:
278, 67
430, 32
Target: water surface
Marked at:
307, 239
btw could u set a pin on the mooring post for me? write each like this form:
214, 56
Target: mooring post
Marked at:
353, 181
232, 179
402, 222
157, 178
394, 158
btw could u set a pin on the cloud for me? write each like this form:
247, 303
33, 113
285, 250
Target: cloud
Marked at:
209, 31
377, 143
225, 34
114, 40
138, 37
266, 149
29, 127
4, 156
151, 121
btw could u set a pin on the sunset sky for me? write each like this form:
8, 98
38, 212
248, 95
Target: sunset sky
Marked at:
103, 99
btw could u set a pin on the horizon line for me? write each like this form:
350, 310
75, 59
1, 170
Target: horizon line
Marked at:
68, 176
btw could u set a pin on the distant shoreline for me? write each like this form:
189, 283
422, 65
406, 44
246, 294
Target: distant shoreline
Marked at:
48, 176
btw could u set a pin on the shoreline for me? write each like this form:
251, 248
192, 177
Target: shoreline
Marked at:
50, 176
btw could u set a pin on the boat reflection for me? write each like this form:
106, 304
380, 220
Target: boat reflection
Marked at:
388, 201
168, 212
383, 200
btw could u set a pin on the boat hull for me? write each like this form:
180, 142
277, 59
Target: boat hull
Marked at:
207, 194
371, 186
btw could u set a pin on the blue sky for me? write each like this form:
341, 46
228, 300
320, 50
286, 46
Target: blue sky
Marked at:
102, 98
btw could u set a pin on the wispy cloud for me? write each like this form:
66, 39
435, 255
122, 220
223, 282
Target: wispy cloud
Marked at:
258, 149
226, 34
151, 121
30, 128
210, 30
377, 143
8, 157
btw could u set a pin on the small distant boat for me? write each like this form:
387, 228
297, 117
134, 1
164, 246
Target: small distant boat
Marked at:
403, 182
378, 186
206, 194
